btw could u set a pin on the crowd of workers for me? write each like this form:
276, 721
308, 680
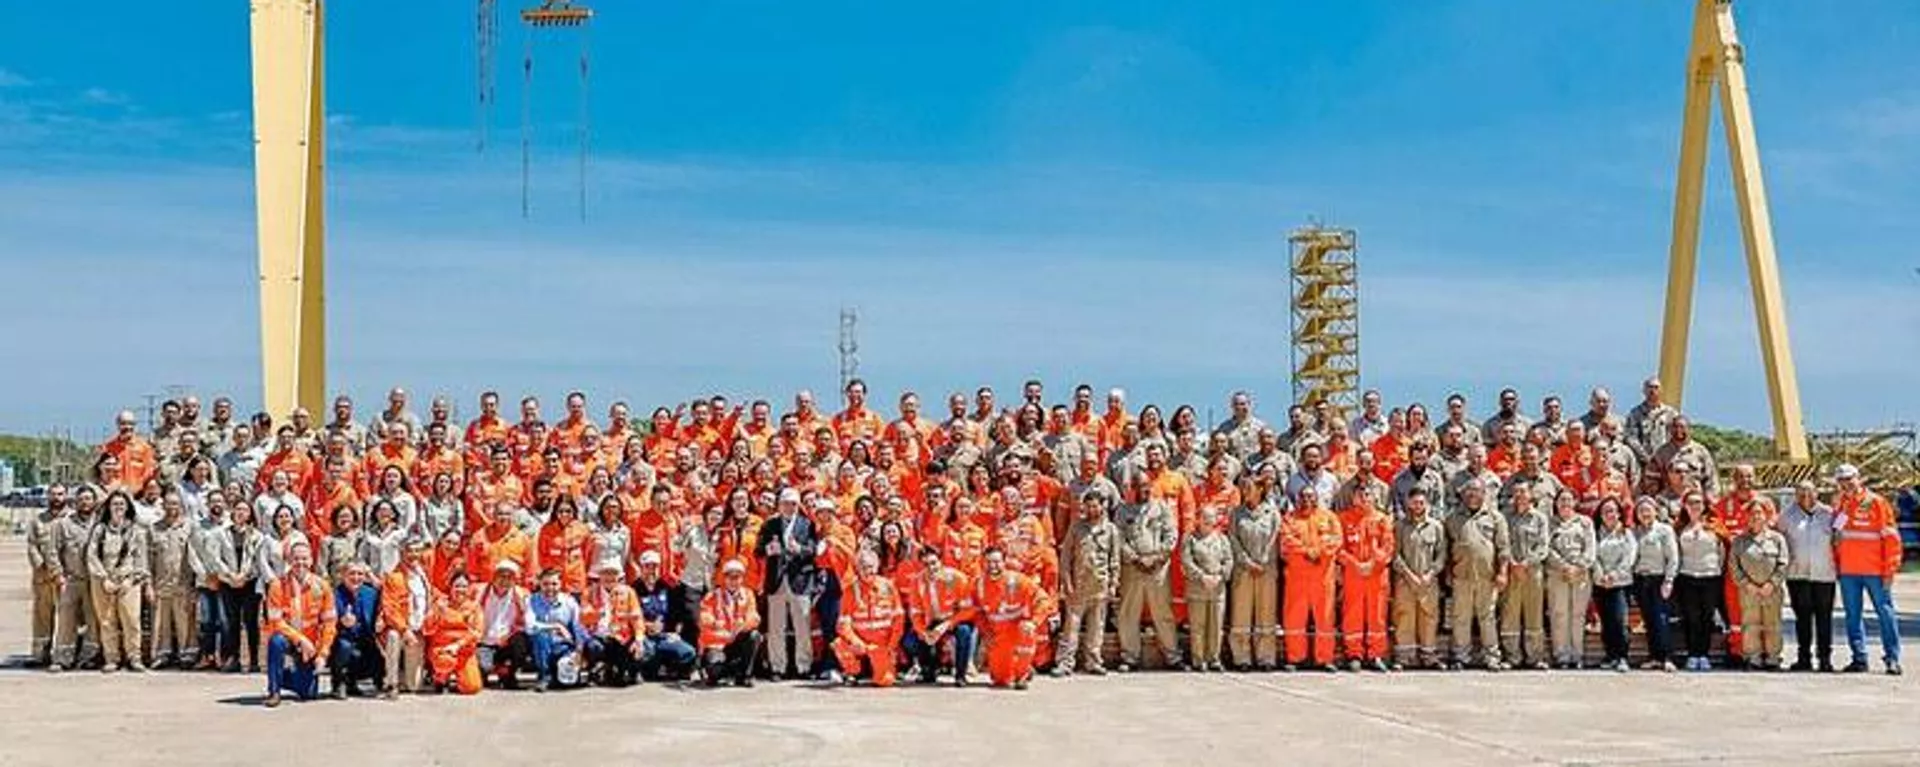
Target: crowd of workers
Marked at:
719, 543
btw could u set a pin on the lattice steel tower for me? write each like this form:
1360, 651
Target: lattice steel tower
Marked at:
849, 346
1326, 317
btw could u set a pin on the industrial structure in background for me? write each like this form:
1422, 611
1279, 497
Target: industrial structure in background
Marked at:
1717, 60
1325, 296
288, 38
849, 345
549, 17
289, 159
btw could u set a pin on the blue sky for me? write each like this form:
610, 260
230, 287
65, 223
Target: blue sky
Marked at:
1092, 191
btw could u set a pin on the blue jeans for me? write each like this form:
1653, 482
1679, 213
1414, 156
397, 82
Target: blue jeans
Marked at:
213, 625
303, 679
547, 650
1653, 613
826, 611
666, 652
927, 655
1613, 621
1875, 588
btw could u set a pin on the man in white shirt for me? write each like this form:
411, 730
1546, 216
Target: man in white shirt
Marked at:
504, 649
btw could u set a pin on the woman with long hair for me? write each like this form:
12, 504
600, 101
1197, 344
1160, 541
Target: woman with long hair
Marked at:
1570, 558
240, 589
117, 567
1656, 568
385, 537
1614, 554
341, 546
441, 511
195, 483
562, 546
609, 541
1700, 583
396, 488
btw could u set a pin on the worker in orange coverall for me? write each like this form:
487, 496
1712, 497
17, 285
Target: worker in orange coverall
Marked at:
1366, 557
871, 622
1012, 607
1309, 541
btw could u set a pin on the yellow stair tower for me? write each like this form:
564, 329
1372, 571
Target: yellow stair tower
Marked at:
1326, 317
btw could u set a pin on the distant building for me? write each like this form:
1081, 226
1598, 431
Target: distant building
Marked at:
6, 477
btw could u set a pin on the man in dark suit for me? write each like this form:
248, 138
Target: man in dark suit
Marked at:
788, 544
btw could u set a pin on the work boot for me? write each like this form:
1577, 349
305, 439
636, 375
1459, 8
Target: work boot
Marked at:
1801, 666
1354, 665
1125, 667
1097, 670
1379, 665
1893, 668
338, 692
55, 668
1856, 667
1290, 668
1826, 667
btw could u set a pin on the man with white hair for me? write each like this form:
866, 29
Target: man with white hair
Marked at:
788, 544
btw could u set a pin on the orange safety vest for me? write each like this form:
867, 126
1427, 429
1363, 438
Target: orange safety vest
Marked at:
873, 611
724, 614
301, 608
613, 612
1866, 541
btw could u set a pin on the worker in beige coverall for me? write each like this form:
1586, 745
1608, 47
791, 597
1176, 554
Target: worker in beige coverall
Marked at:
1419, 561
75, 609
1207, 557
1089, 579
118, 572
1147, 535
1523, 623
1480, 552
1254, 634
1759, 560
43, 562
173, 595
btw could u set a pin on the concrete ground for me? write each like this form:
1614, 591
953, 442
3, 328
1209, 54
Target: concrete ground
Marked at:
1471, 719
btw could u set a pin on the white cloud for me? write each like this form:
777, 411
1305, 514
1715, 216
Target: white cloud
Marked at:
12, 79
103, 97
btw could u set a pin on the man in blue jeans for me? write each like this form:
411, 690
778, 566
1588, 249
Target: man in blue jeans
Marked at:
1867, 551
939, 602
553, 630
664, 654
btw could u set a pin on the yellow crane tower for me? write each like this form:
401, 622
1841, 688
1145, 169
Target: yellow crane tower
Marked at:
1717, 59
289, 156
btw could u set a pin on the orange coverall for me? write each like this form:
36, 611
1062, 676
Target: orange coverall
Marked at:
1310, 541
452, 631
870, 625
1367, 538
1011, 609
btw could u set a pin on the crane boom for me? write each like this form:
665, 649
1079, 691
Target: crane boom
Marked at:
1717, 59
289, 125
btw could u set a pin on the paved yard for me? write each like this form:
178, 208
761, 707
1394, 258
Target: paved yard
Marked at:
1471, 719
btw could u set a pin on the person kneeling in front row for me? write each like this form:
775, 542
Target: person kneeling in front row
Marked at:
301, 625
729, 629
663, 654
356, 649
555, 633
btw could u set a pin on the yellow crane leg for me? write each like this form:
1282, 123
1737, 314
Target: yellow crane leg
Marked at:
289, 122
1756, 230
1683, 254
1717, 58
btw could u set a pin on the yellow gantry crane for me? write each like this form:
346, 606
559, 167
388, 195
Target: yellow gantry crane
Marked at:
289, 161
1717, 60
289, 156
